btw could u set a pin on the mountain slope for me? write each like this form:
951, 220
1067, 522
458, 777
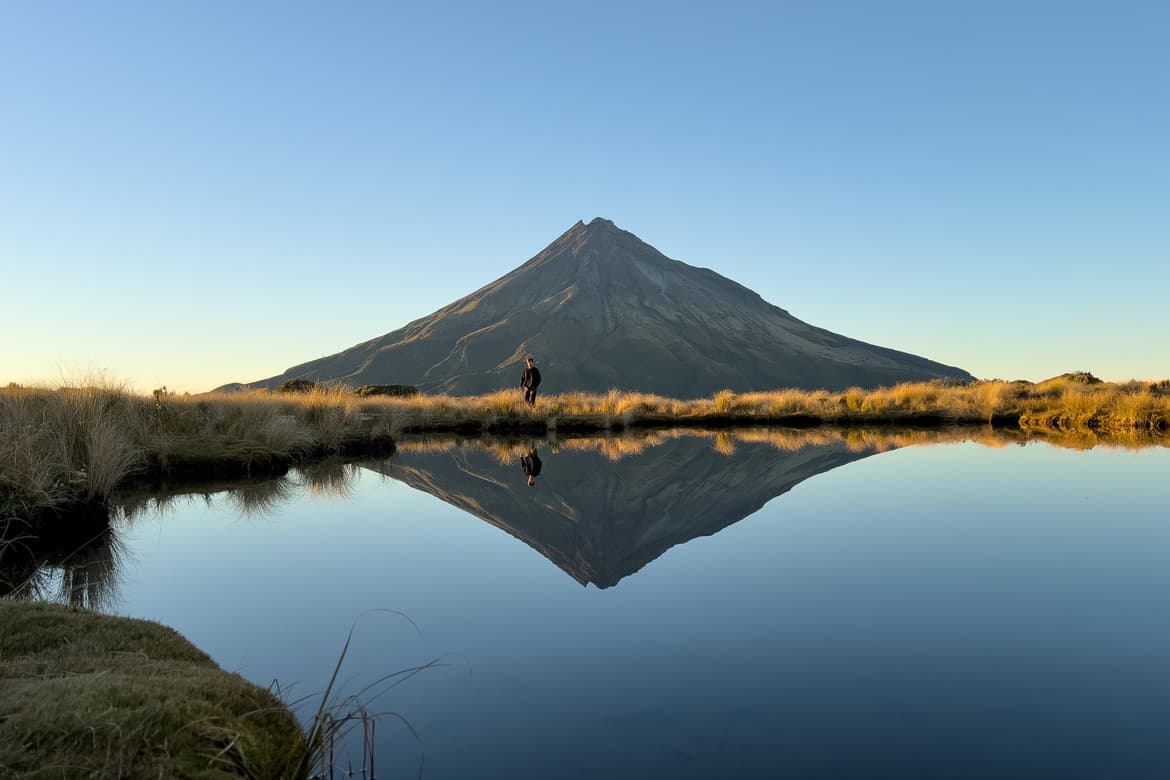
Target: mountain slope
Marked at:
600, 309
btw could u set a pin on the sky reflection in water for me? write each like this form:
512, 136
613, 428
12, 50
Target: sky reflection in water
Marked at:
953, 610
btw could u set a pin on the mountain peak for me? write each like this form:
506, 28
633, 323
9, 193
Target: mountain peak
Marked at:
600, 239
595, 226
608, 310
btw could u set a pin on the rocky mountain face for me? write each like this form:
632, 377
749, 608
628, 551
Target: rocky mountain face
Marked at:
602, 309
600, 519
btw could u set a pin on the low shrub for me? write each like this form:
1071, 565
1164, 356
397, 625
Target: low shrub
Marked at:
403, 391
296, 386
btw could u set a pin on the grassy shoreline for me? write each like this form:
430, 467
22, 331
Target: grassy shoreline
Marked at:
89, 695
100, 696
65, 448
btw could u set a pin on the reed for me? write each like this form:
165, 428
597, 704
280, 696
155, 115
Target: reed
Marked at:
327, 741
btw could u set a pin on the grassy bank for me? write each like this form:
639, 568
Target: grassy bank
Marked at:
75, 445
1071, 401
88, 695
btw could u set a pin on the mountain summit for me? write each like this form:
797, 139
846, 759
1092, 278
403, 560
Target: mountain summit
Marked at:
601, 309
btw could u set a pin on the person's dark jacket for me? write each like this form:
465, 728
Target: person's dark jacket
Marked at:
530, 377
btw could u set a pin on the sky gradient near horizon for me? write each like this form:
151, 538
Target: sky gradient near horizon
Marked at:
193, 194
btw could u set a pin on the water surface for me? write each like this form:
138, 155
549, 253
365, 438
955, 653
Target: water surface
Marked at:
747, 604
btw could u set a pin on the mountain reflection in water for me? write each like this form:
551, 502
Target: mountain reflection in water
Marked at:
604, 507
602, 518
600, 507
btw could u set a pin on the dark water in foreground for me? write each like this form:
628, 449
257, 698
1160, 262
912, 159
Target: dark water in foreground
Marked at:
790, 606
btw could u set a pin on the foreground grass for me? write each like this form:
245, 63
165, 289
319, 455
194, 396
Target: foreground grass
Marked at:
88, 695
75, 445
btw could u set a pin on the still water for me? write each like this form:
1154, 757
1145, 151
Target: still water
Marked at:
747, 604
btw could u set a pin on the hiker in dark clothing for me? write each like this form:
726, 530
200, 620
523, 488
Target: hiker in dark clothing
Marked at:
531, 465
529, 381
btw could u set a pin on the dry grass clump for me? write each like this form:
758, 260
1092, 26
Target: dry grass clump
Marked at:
1080, 401
393, 414
61, 446
1139, 410
78, 443
244, 428
784, 403
500, 406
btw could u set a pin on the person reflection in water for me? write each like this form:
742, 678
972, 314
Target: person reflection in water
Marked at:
531, 463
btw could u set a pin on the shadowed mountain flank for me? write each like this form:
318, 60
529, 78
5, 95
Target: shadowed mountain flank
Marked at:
601, 520
602, 309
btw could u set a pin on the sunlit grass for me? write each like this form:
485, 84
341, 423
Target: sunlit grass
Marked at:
78, 443
1061, 402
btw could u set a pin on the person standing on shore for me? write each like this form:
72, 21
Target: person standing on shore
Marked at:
530, 380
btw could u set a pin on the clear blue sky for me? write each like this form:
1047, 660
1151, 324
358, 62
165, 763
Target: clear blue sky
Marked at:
198, 193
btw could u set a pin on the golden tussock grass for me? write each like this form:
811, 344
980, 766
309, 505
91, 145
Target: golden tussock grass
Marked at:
77, 443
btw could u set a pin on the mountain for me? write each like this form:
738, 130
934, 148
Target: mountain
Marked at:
602, 309
601, 520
